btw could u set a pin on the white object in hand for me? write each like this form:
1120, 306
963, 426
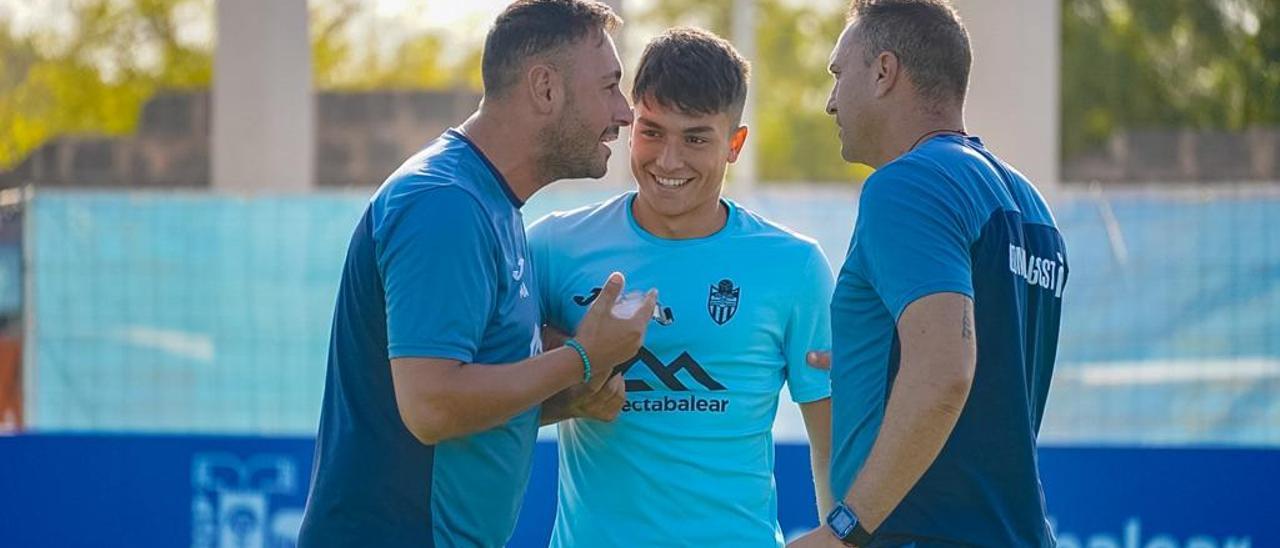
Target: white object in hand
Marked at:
627, 305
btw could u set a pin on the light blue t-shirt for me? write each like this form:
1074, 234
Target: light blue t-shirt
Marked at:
951, 217
689, 461
436, 268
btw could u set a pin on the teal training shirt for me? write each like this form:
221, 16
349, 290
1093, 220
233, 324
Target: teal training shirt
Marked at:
689, 460
949, 216
436, 268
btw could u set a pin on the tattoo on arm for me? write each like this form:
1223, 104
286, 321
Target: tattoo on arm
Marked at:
966, 325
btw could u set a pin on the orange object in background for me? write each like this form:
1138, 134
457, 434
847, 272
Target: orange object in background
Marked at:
10, 384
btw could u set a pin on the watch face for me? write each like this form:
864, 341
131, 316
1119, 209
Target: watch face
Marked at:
842, 521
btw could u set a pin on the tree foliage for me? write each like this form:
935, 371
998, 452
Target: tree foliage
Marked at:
95, 78
1141, 64
417, 62
118, 53
1126, 64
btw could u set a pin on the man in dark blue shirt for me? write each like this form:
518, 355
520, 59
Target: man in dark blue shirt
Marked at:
946, 312
436, 370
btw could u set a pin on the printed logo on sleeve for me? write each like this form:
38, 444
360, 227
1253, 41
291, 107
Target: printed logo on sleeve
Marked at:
1038, 271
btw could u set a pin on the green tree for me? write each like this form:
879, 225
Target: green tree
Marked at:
92, 80
95, 78
1196, 64
418, 61
1126, 64
799, 141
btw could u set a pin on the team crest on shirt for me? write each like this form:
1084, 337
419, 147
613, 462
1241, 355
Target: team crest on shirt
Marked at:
722, 302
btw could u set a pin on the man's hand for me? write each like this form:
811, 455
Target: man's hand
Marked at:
583, 402
603, 404
820, 359
609, 340
821, 537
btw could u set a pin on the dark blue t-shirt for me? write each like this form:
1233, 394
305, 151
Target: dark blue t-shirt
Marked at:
951, 217
437, 268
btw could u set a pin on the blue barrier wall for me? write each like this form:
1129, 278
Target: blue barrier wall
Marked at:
166, 491
211, 314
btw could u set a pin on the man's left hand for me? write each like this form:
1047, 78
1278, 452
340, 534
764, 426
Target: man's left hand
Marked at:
583, 401
603, 404
820, 359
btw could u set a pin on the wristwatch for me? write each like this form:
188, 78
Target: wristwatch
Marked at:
846, 526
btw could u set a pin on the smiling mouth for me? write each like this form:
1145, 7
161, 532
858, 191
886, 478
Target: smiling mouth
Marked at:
671, 183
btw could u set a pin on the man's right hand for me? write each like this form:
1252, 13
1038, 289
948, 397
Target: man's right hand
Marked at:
608, 340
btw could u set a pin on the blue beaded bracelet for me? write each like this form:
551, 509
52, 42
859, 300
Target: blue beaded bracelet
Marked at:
582, 353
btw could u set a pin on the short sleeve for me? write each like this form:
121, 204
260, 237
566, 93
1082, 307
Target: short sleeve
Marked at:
540, 237
809, 328
912, 236
439, 270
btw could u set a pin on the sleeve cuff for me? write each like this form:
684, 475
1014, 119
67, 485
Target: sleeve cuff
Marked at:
428, 351
920, 292
811, 395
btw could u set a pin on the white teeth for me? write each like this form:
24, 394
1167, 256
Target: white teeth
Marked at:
671, 183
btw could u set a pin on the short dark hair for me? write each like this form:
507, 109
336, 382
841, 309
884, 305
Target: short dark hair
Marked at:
694, 71
927, 36
532, 27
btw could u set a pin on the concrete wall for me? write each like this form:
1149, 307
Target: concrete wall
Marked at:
169, 149
1173, 155
1013, 86
362, 137
263, 133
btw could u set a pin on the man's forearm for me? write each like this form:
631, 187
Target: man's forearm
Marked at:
817, 420
557, 407
466, 398
922, 410
821, 463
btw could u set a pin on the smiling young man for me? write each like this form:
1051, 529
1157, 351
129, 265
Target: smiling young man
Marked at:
689, 459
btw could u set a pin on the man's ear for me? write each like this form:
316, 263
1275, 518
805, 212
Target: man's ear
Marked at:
888, 71
736, 141
545, 86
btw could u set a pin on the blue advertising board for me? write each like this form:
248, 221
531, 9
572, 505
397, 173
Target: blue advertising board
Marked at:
207, 491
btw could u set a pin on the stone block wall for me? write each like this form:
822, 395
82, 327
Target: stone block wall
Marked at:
1180, 156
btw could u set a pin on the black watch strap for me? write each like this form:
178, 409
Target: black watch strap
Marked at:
859, 536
